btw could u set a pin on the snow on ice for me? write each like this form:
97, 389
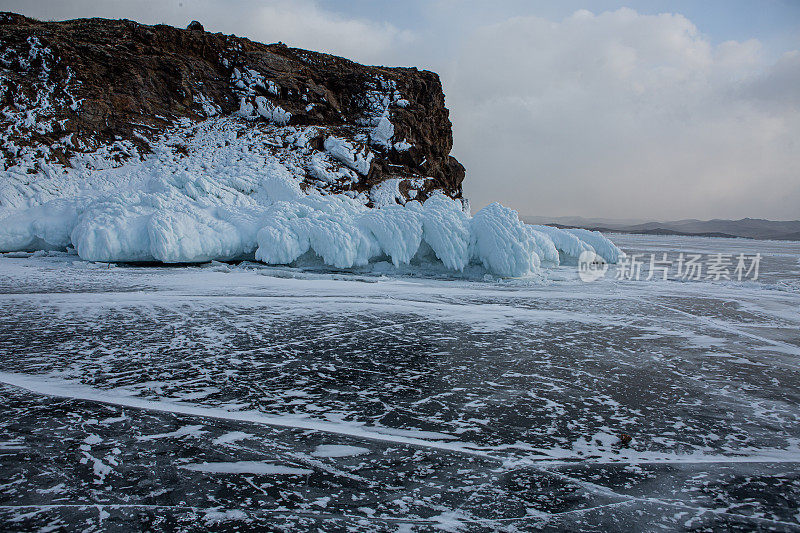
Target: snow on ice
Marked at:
338, 450
247, 467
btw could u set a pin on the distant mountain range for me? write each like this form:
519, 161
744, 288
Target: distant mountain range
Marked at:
749, 228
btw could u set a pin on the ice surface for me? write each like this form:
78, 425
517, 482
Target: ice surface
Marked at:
231, 199
485, 405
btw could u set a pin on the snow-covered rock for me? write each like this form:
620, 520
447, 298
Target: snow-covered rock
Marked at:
357, 158
239, 176
61, 108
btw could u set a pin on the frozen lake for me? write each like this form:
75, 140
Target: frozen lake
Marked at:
260, 397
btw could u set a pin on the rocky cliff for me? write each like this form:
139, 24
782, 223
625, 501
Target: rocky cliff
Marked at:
77, 92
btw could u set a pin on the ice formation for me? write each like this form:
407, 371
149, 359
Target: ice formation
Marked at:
230, 198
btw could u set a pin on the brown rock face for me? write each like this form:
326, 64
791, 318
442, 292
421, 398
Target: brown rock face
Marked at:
111, 80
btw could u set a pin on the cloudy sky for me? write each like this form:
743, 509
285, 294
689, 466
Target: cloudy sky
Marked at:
645, 109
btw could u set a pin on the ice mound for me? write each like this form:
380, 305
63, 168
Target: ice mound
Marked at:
601, 245
499, 240
230, 199
168, 228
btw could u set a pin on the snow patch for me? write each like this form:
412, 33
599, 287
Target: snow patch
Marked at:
386, 193
359, 159
247, 467
231, 437
402, 146
382, 133
338, 450
213, 516
272, 112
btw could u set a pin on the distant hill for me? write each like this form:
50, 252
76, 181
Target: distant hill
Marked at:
750, 228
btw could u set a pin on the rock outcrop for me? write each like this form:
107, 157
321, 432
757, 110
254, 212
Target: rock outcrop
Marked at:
121, 142
83, 86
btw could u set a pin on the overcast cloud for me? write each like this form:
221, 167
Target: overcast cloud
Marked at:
616, 113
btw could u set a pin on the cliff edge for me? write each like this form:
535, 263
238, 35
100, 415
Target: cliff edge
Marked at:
75, 87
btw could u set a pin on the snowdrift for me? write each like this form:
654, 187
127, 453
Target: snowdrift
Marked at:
227, 201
